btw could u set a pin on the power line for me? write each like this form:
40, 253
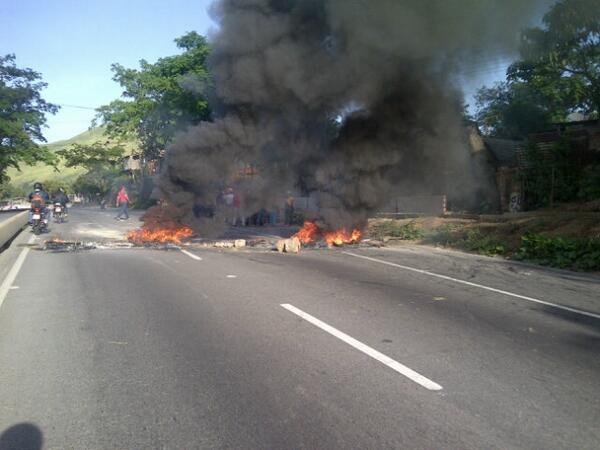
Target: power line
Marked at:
64, 105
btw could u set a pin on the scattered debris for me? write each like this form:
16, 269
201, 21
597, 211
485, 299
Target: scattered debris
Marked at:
58, 245
291, 245
223, 244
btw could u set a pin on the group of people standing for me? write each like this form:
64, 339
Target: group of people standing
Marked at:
231, 201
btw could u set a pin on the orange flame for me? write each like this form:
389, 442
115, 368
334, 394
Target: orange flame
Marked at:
342, 236
310, 232
160, 235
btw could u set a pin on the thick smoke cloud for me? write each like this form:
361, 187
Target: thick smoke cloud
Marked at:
354, 100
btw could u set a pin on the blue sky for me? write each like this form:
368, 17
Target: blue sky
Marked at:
72, 43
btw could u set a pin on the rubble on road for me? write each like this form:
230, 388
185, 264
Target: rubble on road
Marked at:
58, 245
291, 245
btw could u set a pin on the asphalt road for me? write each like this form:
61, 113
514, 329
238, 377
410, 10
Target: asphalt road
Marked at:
139, 348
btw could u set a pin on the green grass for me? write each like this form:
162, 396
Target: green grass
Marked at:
65, 175
401, 231
562, 252
471, 240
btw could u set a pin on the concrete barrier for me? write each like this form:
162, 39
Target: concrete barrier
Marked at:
10, 227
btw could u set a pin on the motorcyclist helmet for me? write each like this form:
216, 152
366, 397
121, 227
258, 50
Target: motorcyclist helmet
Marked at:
37, 186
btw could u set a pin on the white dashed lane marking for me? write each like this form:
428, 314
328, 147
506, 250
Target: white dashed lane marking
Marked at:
391, 363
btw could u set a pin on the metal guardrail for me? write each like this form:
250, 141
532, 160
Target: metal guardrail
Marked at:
10, 227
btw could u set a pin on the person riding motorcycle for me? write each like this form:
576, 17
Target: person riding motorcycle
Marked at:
39, 195
61, 198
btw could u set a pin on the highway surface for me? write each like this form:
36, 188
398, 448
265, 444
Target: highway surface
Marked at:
352, 348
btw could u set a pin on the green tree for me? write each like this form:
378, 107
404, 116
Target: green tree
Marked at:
22, 116
51, 185
92, 156
558, 73
102, 162
8, 190
160, 99
561, 60
511, 110
100, 182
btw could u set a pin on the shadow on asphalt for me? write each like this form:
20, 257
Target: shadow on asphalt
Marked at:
586, 342
23, 436
588, 322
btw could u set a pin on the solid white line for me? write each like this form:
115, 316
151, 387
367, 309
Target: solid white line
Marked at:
190, 254
14, 271
480, 286
393, 364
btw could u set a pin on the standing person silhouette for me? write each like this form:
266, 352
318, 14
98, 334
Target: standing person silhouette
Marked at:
123, 202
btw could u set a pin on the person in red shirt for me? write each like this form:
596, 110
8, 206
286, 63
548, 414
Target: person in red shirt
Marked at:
123, 202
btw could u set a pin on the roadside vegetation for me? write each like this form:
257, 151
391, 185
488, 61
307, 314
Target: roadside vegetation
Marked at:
22, 116
562, 252
60, 173
566, 240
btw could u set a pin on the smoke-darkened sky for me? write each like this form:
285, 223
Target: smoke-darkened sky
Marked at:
73, 43
392, 70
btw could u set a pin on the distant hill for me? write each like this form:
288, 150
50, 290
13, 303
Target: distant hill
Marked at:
41, 172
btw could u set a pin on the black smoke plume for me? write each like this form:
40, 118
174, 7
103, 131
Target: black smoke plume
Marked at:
352, 100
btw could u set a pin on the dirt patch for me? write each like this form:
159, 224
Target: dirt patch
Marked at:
508, 227
559, 232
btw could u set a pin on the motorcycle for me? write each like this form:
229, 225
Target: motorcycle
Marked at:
59, 213
39, 222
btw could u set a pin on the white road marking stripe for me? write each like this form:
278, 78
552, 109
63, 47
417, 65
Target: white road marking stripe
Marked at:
14, 271
393, 364
191, 255
481, 286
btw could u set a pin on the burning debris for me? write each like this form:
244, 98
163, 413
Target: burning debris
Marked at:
311, 233
160, 227
162, 235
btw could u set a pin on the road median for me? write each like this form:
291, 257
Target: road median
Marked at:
11, 227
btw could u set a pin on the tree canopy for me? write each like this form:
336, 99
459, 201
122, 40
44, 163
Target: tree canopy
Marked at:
92, 156
102, 162
562, 59
558, 73
511, 110
160, 99
22, 116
